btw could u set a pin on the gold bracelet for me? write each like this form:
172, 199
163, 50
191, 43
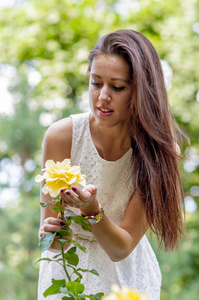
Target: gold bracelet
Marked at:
94, 219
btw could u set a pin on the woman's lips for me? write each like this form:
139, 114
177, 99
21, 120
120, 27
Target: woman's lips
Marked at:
104, 111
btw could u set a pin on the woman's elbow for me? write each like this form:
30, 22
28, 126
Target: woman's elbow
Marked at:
119, 255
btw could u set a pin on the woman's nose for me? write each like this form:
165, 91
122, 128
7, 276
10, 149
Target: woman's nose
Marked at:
105, 94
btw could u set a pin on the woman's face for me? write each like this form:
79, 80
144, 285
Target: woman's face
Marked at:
109, 90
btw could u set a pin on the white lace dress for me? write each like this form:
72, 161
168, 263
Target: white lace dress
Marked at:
140, 270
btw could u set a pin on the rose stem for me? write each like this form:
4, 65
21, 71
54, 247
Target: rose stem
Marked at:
62, 247
61, 212
64, 263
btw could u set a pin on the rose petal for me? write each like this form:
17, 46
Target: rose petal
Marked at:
39, 178
60, 175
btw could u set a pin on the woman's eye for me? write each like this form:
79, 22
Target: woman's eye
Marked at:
96, 84
118, 89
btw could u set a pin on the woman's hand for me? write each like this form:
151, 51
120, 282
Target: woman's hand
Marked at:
84, 199
50, 225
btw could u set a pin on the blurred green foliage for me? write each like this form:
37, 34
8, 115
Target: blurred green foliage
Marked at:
50, 39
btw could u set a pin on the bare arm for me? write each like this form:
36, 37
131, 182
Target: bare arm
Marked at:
56, 146
117, 241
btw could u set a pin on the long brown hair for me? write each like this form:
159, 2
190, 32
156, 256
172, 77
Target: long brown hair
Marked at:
153, 133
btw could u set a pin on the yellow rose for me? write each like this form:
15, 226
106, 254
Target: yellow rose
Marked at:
124, 293
60, 175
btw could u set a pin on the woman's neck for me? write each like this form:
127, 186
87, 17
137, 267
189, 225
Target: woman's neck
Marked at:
111, 142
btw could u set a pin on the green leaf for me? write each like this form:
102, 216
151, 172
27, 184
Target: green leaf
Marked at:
75, 287
54, 288
58, 199
57, 255
93, 271
55, 209
82, 296
45, 204
72, 259
78, 245
97, 296
62, 241
48, 259
46, 241
72, 250
67, 221
64, 232
70, 292
83, 222
64, 290
57, 204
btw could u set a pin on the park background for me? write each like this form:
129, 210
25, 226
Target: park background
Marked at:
43, 77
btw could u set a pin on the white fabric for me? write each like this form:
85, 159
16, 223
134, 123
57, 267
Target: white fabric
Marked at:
140, 270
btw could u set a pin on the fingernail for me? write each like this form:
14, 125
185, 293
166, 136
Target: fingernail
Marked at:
62, 191
74, 189
67, 193
62, 223
63, 228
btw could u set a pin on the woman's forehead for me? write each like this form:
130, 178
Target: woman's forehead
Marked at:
114, 65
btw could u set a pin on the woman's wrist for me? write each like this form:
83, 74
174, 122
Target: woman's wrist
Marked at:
95, 218
91, 209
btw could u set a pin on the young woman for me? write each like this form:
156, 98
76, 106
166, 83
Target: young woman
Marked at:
127, 147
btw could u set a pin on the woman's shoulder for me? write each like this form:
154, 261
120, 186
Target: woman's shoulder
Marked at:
60, 130
59, 136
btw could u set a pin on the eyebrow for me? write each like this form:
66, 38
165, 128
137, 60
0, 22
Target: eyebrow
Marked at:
114, 79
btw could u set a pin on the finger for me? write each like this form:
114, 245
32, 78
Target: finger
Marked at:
51, 228
73, 193
61, 192
45, 230
79, 198
54, 221
91, 188
50, 225
87, 191
82, 195
42, 232
70, 198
